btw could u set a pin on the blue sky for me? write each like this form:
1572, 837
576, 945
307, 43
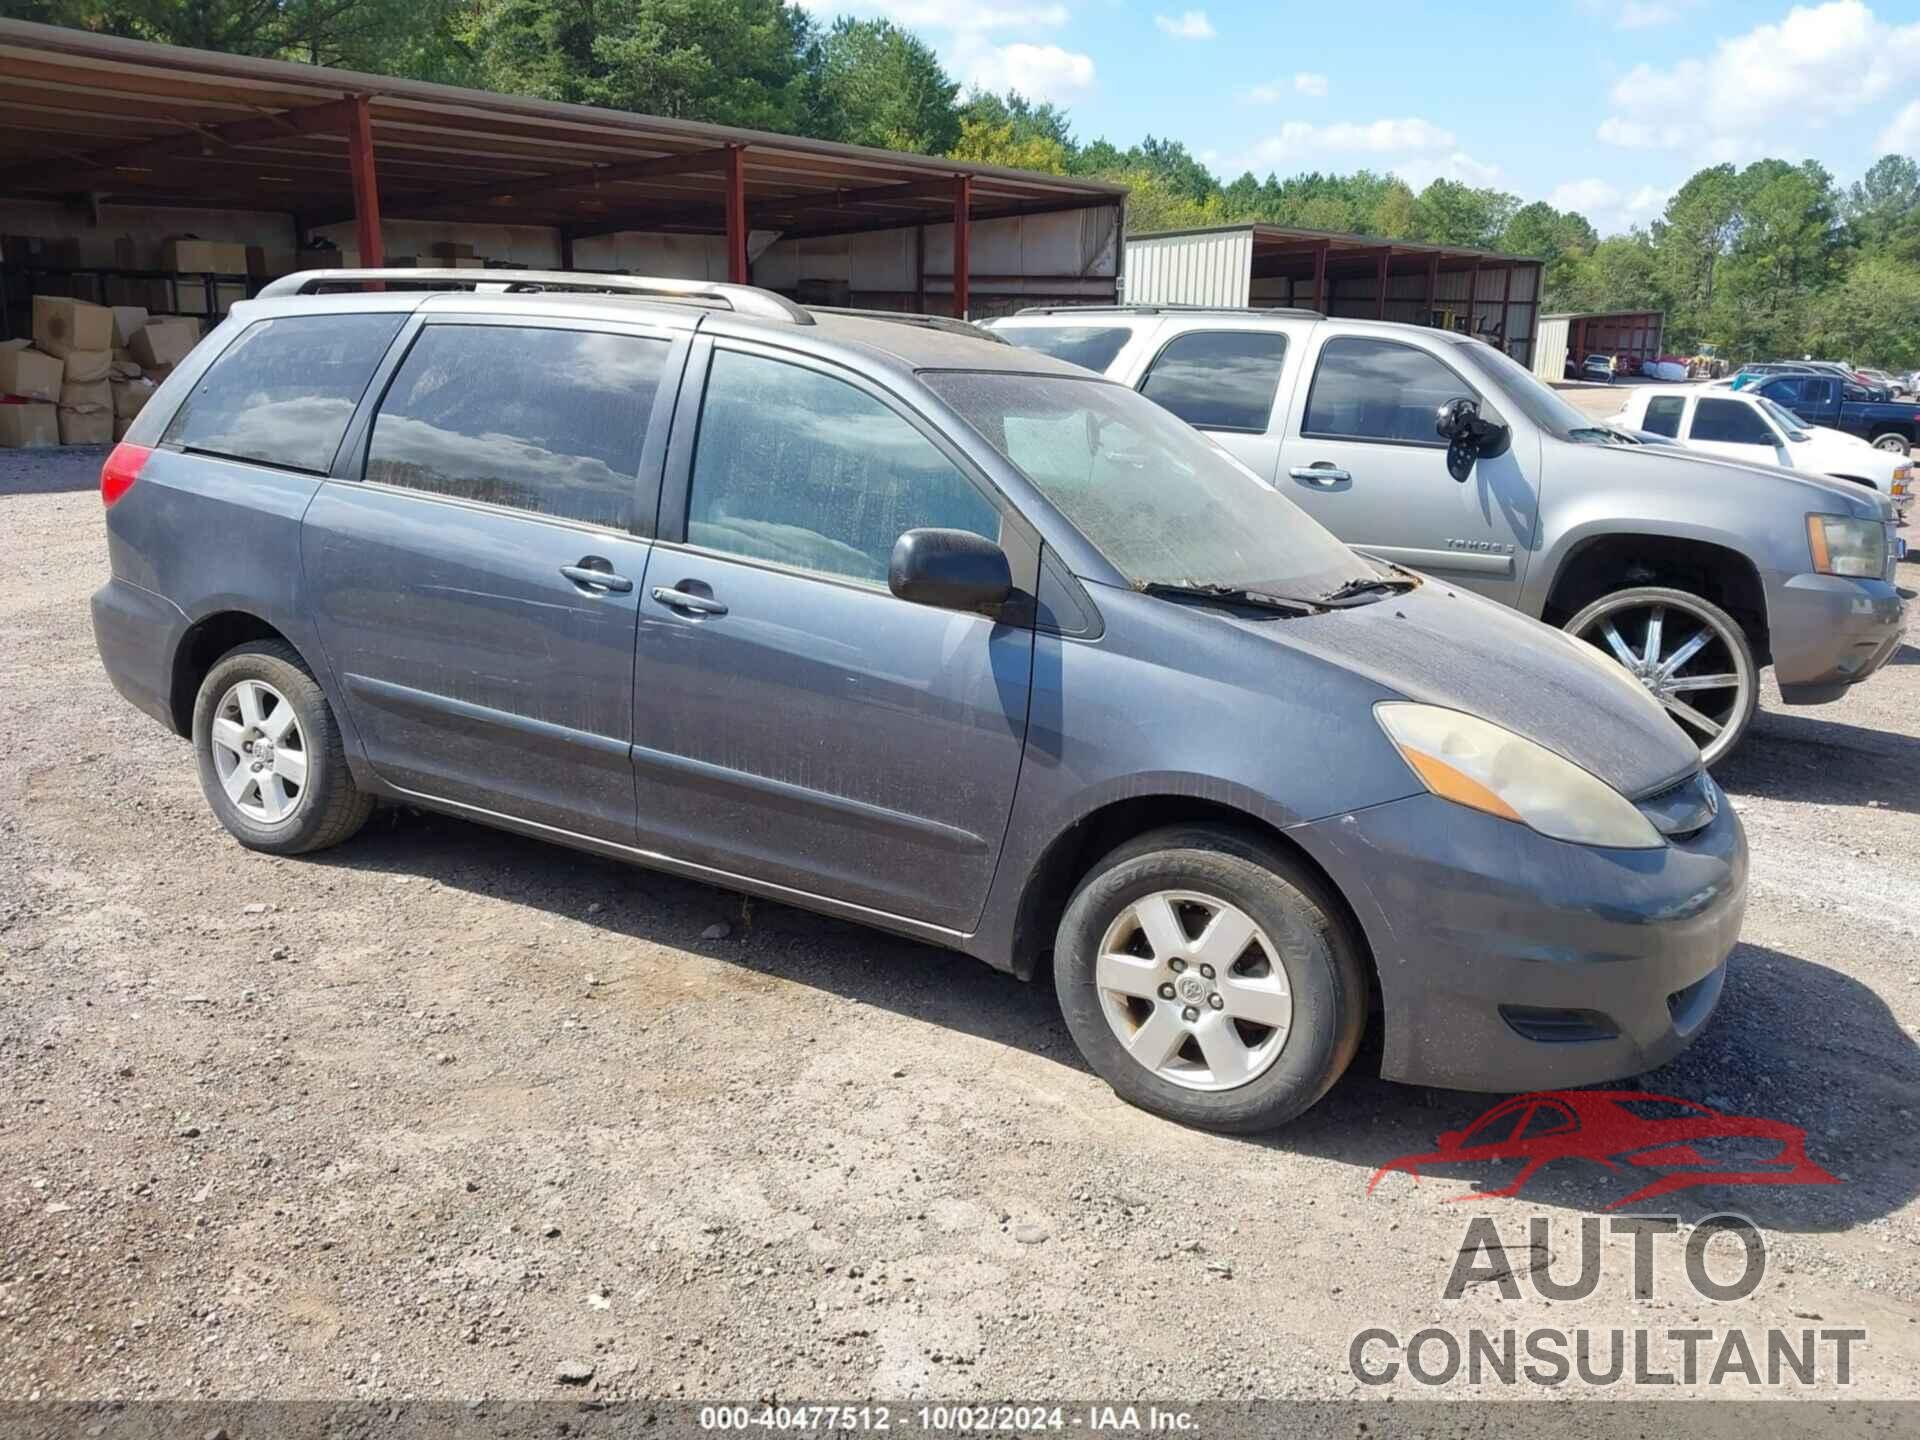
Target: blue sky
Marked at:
1603, 106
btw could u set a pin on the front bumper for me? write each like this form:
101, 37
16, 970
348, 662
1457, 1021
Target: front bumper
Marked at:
1512, 962
137, 633
1829, 632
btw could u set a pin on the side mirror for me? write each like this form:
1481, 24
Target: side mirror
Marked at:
950, 570
1469, 435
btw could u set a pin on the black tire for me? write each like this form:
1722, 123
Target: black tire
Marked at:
1310, 939
1739, 653
329, 808
1893, 442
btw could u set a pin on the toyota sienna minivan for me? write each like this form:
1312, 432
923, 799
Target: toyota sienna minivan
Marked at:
881, 618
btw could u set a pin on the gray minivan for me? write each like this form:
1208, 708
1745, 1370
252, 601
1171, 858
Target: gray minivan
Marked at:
921, 630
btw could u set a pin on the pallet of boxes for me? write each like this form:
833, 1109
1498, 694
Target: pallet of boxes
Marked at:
88, 370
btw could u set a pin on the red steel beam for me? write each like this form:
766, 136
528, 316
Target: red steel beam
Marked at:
1320, 277
962, 241
69, 173
366, 188
738, 271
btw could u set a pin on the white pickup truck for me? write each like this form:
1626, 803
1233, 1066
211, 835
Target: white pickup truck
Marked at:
1743, 426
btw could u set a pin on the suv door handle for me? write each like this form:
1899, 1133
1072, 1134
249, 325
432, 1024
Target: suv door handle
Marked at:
597, 574
688, 601
1326, 475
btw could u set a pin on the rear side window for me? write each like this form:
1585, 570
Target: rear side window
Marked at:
1092, 346
1663, 414
1379, 390
1730, 422
549, 421
282, 393
1218, 379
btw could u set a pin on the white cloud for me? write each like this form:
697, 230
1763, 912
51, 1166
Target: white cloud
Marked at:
1309, 82
1188, 25
1040, 72
1902, 137
1299, 139
1584, 196
954, 15
1304, 82
1645, 14
1609, 208
1765, 90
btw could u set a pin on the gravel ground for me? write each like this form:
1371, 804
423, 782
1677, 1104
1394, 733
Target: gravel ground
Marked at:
444, 1111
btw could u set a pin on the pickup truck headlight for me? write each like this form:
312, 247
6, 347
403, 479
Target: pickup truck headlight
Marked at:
1845, 546
1476, 763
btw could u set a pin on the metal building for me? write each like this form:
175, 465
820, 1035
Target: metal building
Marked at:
1632, 336
1478, 292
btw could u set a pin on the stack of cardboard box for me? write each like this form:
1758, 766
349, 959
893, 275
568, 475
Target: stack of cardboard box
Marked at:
455, 255
87, 372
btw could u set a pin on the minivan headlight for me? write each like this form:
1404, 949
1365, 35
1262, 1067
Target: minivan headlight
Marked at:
1475, 763
1844, 546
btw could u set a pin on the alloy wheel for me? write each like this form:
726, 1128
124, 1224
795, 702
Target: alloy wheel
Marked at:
1194, 990
1685, 659
1893, 444
260, 752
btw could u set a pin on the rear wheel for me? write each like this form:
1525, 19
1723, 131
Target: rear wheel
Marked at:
1690, 654
1892, 442
1209, 978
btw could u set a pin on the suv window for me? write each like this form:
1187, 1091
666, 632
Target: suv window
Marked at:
283, 392
799, 468
1092, 346
1663, 415
1731, 422
549, 421
1218, 379
1365, 389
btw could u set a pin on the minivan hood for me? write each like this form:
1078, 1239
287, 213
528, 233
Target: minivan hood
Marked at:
1442, 645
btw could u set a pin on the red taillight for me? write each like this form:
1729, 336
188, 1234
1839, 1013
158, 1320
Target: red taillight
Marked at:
121, 470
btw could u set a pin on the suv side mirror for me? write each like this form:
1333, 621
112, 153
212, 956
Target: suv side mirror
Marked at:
950, 570
1469, 435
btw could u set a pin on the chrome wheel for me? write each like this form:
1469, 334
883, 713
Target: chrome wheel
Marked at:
259, 752
1894, 444
1686, 658
1194, 990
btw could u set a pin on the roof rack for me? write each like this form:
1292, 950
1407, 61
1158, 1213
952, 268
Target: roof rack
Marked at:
1147, 309
741, 299
950, 324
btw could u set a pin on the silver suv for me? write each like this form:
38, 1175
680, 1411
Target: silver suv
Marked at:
1443, 454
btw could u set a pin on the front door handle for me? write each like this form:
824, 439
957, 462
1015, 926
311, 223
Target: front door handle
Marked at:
688, 601
1323, 475
597, 574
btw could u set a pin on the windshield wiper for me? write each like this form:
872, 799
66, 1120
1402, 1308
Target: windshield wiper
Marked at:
1368, 585
1232, 595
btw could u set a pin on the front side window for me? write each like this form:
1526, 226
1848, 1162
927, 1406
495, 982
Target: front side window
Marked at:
1094, 346
282, 393
1663, 415
1219, 379
802, 469
548, 421
1729, 422
1365, 389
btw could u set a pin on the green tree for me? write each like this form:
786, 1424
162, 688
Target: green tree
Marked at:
1692, 240
1884, 201
1873, 316
988, 143
1617, 274
883, 86
1450, 213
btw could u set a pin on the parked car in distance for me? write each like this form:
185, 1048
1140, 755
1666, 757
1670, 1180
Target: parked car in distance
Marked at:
1439, 452
1598, 367
1825, 399
1753, 428
924, 631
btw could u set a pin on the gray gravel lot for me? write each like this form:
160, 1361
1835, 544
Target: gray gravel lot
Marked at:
443, 1111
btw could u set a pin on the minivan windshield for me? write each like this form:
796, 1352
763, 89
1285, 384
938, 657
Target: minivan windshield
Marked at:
1165, 505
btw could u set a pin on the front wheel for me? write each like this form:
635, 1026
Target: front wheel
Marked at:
1892, 443
1690, 654
1208, 977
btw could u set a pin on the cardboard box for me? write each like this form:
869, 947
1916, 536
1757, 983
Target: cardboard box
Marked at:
87, 395
127, 320
63, 326
85, 365
466, 262
130, 397
451, 250
158, 373
226, 294
265, 263
164, 341
199, 257
28, 373
25, 426
124, 367
85, 427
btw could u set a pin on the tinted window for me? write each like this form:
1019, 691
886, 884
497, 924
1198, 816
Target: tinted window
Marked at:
544, 420
283, 392
1731, 422
1787, 392
1663, 414
800, 468
1217, 380
1379, 390
1091, 346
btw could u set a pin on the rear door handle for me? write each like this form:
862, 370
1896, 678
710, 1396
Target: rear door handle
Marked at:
688, 601
597, 576
1326, 475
